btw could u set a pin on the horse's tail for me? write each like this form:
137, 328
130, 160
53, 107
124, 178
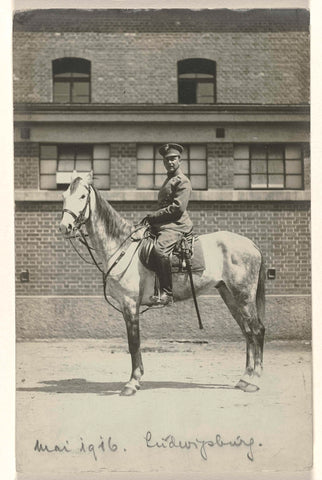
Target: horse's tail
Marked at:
260, 294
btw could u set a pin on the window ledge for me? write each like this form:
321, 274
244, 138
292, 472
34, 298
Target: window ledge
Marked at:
201, 196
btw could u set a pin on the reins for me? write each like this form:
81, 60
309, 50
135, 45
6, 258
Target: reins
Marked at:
79, 221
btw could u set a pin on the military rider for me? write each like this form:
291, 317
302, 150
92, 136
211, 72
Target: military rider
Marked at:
171, 220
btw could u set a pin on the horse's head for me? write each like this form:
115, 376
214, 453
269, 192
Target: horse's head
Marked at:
76, 207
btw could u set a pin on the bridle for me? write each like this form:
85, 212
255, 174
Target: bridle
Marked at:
81, 220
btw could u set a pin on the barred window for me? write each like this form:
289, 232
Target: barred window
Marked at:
57, 163
196, 81
273, 166
71, 80
151, 172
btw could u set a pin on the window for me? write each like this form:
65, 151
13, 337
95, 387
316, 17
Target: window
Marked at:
71, 80
57, 163
151, 172
268, 167
196, 81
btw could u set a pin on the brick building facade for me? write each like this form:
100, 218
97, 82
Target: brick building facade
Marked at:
231, 86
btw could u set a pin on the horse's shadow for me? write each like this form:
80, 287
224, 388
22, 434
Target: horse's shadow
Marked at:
81, 385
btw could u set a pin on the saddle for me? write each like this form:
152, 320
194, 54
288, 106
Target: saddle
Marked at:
187, 247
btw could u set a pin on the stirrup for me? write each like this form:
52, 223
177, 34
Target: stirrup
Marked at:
162, 300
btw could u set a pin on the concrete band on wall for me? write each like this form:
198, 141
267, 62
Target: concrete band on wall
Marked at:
287, 317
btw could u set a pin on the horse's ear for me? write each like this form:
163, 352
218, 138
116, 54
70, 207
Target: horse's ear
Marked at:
74, 175
89, 178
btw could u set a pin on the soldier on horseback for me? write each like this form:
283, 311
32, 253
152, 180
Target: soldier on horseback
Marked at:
170, 221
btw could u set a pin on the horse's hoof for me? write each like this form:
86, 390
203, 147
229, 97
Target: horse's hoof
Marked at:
246, 387
128, 391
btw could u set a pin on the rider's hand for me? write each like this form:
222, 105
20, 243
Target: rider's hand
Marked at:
145, 221
141, 228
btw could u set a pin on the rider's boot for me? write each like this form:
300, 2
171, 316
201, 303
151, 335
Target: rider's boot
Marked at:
163, 265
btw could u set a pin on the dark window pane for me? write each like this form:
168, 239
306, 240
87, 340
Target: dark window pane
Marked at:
241, 151
275, 151
83, 152
67, 152
71, 64
196, 65
258, 151
293, 152
48, 151
187, 91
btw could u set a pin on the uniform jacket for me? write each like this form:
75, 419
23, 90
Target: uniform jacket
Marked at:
173, 200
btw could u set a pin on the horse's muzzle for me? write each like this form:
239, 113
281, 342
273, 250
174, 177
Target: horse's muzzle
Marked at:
66, 227
66, 230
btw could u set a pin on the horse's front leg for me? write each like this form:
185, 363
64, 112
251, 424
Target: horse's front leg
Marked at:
131, 317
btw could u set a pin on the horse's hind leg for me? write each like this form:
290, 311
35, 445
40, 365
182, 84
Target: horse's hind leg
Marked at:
246, 316
131, 317
255, 339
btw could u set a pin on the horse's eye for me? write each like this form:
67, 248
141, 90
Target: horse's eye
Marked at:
83, 196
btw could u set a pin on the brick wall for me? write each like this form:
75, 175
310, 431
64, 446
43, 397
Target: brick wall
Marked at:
220, 165
26, 165
123, 165
136, 67
307, 166
280, 229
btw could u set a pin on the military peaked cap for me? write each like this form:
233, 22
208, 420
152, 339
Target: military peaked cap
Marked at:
170, 150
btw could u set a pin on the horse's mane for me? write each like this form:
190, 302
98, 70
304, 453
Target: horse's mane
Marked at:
116, 225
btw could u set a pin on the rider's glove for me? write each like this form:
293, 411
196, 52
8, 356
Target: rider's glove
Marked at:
145, 221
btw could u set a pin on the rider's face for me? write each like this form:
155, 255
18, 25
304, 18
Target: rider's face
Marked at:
171, 164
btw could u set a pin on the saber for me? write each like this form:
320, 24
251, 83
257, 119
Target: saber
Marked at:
187, 255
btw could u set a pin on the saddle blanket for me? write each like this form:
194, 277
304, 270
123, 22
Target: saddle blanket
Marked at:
178, 264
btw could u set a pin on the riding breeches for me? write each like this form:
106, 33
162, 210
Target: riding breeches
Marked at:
165, 242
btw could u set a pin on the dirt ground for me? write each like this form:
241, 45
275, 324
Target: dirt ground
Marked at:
188, 417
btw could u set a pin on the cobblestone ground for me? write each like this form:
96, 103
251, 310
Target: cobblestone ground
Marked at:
186, 418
